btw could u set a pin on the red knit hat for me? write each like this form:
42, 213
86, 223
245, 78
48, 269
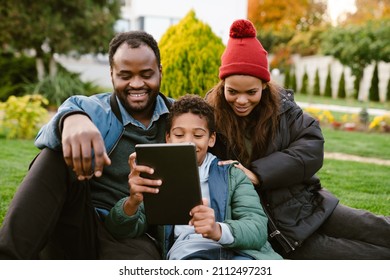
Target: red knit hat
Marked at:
244, 54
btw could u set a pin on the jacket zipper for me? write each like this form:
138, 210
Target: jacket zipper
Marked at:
275, 233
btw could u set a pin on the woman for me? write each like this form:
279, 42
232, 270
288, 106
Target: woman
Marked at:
280, 148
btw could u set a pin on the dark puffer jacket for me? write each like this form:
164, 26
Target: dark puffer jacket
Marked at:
290, 192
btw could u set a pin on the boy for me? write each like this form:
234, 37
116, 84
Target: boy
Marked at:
229, 225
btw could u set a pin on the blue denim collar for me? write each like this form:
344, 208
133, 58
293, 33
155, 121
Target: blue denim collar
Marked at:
159, 110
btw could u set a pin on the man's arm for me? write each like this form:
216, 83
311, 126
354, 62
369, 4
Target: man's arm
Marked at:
80, 138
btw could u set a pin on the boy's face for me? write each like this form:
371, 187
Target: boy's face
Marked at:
192, 128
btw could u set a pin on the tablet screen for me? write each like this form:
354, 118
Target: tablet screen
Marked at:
176, 166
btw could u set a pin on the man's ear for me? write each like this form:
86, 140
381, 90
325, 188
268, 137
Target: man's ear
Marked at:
167, 137
213, 138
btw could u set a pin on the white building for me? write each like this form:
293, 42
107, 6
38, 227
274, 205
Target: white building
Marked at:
156, 16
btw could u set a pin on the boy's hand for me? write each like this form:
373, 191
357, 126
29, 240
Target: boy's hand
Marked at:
203, 220
79, 138
138, 185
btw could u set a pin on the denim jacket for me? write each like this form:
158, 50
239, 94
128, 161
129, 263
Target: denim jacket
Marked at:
98, 109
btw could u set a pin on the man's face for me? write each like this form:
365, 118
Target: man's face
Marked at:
136, 79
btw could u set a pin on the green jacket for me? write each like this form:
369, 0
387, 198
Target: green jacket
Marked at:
235, 202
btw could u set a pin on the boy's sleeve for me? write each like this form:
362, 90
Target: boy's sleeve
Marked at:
120, 225
227, 236
248, 221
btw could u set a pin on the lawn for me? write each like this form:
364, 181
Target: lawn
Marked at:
15, 156
359, 185
357, 143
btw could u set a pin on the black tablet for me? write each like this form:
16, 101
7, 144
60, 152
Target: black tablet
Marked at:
177, 167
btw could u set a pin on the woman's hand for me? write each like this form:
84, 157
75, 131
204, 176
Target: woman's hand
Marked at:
139, 185
252, 176
203, 220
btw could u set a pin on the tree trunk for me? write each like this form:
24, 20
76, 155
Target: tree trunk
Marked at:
39, 64
40, 68
53, 69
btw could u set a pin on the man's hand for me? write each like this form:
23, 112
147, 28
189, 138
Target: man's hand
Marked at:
80, 137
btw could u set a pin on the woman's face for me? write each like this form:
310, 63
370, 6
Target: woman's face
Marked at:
243, 93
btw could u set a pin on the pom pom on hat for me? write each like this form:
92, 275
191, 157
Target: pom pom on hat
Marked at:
244, 54
242, 29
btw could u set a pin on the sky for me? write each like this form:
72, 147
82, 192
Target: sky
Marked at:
338, 7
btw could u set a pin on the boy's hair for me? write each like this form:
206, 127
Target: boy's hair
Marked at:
192, 103
134, 39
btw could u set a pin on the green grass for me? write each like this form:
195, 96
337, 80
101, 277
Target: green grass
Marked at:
357, 143
360, 185
15, 156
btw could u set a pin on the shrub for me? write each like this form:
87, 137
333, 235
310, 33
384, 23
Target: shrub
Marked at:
16, 72
65, 84
294, 81
287, 78
305, 82
323, 116
328, 83
22, 116
374, 88
316, 88
341, 90
380, 123
190, 54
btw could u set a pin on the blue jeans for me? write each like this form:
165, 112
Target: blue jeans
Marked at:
217, 254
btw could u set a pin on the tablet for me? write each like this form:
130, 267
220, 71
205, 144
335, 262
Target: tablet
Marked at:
176, 165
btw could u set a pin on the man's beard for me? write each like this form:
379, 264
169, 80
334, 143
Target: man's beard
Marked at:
134, 106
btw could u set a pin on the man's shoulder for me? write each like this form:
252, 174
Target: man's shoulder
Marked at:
99, 97
166, 99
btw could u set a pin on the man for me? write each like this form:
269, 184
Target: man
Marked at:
59, 208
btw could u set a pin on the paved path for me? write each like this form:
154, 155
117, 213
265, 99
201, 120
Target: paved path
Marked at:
340, 156
344, 109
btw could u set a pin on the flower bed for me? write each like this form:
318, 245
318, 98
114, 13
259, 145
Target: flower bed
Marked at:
351, 122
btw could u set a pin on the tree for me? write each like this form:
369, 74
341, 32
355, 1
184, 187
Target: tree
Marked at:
388, 91
367, 10
358, 46
308, 42
305, 82
374, 88
328, 83
278, 21
341, 90
57, 26
294, 81
316, 88
190, 54
287, 78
